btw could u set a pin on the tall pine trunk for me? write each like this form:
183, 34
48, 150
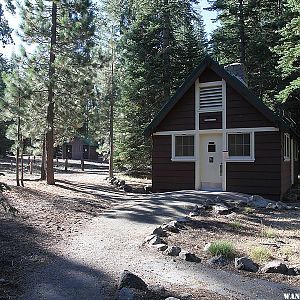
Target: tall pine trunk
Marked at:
43, 171
166, 51
18, 143
22, 161
50, 109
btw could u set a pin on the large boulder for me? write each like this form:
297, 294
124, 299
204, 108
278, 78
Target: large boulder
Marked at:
221, 209
170, 227
257, 201
246, 264
127, 188
160, 247
160, 231
131, 281
154, 239
126, 294
275, 266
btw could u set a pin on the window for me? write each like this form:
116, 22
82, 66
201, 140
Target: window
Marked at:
286, 147
183, 147
240, 146
211, 97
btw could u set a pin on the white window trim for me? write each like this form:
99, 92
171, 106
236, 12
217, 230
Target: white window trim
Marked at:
286, 139
250, 158
182, 158
210, 84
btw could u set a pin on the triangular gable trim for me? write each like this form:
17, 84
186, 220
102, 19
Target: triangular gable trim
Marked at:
231, 80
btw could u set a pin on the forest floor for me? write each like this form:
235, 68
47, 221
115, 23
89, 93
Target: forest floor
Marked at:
44, 219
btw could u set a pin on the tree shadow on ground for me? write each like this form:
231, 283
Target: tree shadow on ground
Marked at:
25, 249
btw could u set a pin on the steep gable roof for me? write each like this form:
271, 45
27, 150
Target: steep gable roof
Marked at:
231, 80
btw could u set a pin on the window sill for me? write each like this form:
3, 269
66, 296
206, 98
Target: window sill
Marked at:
183, 159
240, 159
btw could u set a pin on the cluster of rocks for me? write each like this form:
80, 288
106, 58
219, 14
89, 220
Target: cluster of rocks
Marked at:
275, 266
121, 184
157, 241
132, 287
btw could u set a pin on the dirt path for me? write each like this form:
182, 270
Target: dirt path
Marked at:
90, 262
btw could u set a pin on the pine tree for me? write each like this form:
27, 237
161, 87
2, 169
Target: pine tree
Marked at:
63, 33
158, 48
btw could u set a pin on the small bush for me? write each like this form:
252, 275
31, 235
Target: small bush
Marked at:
224, 248
269, 233
236, 224
249, 210
260, 254
288, 250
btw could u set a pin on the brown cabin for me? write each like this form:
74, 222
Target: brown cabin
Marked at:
79, 148
214, 134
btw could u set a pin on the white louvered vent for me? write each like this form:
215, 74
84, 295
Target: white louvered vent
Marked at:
211, 98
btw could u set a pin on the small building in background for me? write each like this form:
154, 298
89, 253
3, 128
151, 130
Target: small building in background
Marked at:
80, 148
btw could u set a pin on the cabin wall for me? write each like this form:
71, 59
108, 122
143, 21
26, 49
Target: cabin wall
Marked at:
241, 114
182, 116
168, 175
262, 177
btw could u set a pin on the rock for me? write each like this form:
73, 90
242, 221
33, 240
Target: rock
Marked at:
219, 261
275, 266
125, 294
127, 188
170, 227
183, 220
294, 271
172, 251
185, 296
258, 201
122, 182
116, 182
206, 247
159, 231
194, 214
160, 247
130, 280
246, 264
172, 298
148, 189
157, 289
221, 209
154, 239
187, 256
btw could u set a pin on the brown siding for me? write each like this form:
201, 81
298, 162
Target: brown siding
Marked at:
209, 75
168, 175
241, 114
211, 124
262, 177
182, 116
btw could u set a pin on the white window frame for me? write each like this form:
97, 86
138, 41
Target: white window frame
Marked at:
211, 84
286, 147
250, 158
182, 158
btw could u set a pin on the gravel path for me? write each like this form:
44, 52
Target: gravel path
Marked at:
88, 265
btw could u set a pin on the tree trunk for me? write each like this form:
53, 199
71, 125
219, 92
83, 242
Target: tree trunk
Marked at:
166, 51
111, 114
242, 32
43, 171
66, 164
18, 143
22, 163
50, 109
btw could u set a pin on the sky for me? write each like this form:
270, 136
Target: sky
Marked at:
208, 17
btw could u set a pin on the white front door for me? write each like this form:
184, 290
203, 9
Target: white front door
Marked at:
211, 162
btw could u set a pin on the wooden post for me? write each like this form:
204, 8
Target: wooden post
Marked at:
82, 164
34, 157
11, 165
66, 164
30, 167
57, 161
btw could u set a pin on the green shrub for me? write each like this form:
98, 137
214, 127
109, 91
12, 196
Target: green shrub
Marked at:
249, 210
236, 224
260, 254
269, 233
224, 248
